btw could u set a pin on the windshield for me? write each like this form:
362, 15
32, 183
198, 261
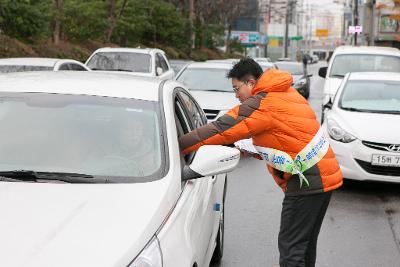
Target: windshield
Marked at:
206, 79
121, 61
293, 68
22, 68
344, 64
99, 136
371, 96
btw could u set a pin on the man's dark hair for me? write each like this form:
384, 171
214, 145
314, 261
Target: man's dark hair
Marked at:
245, 69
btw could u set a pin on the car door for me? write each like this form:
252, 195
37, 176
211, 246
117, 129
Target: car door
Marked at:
211, 189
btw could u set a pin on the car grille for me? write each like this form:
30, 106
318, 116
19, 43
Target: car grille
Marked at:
382, 147
379, 170
211, 113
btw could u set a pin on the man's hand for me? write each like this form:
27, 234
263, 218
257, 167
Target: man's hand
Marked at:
245, 153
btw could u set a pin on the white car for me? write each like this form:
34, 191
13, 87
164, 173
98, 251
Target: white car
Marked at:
208, 83
364, 126
8, 65
139, 61
91, 173
347, 59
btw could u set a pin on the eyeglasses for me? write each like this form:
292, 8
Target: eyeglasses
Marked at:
237, 88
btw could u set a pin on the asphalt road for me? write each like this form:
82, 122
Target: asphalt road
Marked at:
361, 228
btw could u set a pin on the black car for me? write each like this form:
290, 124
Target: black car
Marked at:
301, 80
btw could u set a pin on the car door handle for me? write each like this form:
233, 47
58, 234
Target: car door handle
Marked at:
214, 179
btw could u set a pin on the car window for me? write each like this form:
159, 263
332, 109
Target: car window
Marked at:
121, 61
64, 66
163, 63
22, 68
183, 125
343, 64
120, 139
158, 63
196, 114
77, 67
194, 79
293, 68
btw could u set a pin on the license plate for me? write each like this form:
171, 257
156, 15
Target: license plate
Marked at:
386, 160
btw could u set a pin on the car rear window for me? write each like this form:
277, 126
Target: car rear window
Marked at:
121, 61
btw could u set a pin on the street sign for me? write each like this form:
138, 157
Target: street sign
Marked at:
322, 32
355, 29
249, 37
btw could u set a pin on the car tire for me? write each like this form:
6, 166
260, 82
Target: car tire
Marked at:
219, 248
307, 94
322, 115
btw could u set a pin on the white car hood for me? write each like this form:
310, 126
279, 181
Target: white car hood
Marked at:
331, 86
215, 100
49, 224
372, 127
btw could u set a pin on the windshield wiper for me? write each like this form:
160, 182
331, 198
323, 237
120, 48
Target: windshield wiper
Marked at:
337, 75
34, 176
213, 90
388, 111
373, 111
352, 109
112, 70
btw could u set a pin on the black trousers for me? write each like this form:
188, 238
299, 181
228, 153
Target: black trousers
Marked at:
301, 221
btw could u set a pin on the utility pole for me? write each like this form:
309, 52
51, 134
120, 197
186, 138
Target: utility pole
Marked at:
355, 20
289, 11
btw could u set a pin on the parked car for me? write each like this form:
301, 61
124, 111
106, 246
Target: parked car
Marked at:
8, 65
207, 82
91, 173
315, 59
178, 64
347, 59
364, 124
139, 61
301, 79
284, 59
262, 59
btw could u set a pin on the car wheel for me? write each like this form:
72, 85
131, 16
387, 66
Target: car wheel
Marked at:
219, 248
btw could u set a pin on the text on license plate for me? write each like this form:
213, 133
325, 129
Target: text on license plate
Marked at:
386, 160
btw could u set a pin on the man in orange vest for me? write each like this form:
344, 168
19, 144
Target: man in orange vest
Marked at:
287, 135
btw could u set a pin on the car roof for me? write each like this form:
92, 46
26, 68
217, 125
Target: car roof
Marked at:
82, 83
128, 50
288, 63
30, 61
210, 65
375, 76
367, 50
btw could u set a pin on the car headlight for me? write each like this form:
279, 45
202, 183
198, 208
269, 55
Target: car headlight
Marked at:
300, 83
338, 133
151, 255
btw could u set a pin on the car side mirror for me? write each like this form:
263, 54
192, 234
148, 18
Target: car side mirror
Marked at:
322, 72
211, 160
159, 71
327, 103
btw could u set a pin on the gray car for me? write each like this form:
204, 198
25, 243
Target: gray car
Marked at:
301, 80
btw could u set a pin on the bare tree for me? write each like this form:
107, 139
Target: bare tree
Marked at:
113, 17
58, 12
